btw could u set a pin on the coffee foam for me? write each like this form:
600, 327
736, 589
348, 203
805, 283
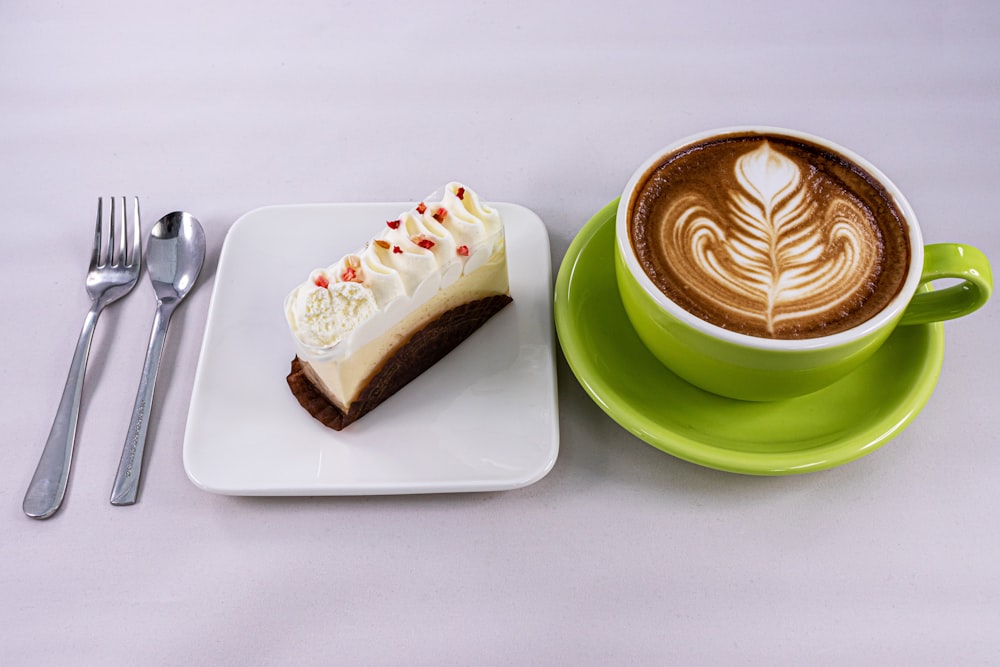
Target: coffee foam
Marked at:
769, 236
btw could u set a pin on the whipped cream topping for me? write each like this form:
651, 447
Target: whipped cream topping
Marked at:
427, 248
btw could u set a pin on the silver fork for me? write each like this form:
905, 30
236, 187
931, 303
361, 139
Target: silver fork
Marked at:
112, 275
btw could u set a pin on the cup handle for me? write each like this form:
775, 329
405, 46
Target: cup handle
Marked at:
956, 261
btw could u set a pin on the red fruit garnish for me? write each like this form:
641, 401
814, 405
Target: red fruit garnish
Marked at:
396, 250
440, 214
425, 243
421, 207
460, 193
321, 281
463, 250
349, 275
393, 224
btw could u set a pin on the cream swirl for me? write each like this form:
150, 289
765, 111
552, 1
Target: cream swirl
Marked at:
428, 247
775, 252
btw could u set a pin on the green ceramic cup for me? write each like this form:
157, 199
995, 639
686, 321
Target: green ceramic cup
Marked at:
752, 368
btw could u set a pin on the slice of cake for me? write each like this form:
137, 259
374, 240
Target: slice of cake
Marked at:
379, 317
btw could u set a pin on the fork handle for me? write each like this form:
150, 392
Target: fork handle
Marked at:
48, 485
126, 486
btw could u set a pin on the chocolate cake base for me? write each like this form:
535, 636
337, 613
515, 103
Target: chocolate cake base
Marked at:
424, 349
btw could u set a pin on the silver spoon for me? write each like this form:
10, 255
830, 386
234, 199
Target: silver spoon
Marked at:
174, 255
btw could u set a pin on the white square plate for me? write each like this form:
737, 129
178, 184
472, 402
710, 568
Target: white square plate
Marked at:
484, 418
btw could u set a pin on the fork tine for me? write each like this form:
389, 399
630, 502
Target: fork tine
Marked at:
95, 258
122, 218
136, 257
124, 236
112, 259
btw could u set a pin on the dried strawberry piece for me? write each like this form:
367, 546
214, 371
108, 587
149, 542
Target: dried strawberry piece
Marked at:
463, 250
321, 281
396, 250
349, 275
460, 193
440, 214
421, 208
425, 243
393, 224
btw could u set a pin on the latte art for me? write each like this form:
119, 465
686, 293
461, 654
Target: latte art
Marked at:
767, 238
774, 254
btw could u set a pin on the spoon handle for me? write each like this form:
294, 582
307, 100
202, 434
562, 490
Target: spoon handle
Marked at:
126, 486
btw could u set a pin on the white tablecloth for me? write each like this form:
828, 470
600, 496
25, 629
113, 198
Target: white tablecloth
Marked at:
622, 554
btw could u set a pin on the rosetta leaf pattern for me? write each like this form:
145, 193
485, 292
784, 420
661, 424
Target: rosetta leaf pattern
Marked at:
776, 253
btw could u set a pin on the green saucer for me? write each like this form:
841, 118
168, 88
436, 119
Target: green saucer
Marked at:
845, 421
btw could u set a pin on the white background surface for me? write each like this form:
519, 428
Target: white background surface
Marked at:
621, 554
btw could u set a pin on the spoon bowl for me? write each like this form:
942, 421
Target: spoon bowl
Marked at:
175, 254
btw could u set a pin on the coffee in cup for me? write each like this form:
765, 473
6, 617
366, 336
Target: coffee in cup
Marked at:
769, 235
762, 263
